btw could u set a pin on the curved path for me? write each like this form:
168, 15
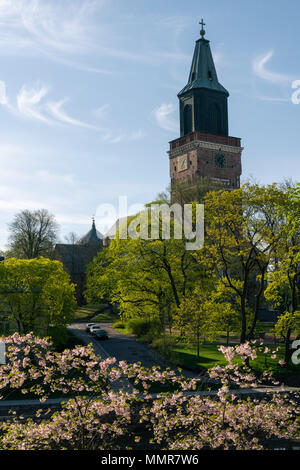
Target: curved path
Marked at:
124, 347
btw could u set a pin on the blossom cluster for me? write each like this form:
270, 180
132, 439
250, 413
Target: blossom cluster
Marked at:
110, 404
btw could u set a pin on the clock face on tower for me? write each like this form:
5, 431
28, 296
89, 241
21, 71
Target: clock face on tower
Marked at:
220, 160
182, 163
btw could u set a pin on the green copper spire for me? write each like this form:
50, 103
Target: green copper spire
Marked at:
92, 235
203, 101
203, 72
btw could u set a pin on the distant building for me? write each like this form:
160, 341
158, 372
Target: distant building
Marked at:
75, 258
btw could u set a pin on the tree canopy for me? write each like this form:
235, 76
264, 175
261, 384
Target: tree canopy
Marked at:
36, 293
250, 258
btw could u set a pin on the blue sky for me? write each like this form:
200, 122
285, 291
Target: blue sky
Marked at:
88, 96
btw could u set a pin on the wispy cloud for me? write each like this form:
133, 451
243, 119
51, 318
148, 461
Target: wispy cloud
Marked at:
268, 78
31, 104
53, 25
261, 71
59, 30
57, 111
101, 112
77, 65
163, 117
3, 97
116, 136
126, 136
64, 31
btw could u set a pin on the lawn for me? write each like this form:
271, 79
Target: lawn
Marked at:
123, 329
185, 355
96, 313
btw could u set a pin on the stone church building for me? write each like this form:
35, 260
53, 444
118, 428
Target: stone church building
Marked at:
76, 257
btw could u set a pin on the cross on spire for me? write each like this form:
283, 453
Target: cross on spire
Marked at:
202, 32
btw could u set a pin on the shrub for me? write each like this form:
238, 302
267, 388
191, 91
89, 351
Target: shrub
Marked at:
148, 338
62, 338
142, 327
119, 324
164, 346
59, 336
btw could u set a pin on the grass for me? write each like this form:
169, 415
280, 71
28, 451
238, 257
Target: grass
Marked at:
104, 315
265, 327
125, 330
86, 310
185, 355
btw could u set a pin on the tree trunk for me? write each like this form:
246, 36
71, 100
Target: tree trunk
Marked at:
244, 324
110, 307
257, 304
287, 351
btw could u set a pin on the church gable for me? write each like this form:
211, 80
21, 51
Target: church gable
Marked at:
75, 258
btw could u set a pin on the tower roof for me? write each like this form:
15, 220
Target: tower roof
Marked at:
92, 235
203, 72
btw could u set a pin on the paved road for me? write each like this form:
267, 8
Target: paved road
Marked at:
122, 347
127, 348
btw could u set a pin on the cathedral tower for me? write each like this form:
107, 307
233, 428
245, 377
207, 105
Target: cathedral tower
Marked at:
204, 149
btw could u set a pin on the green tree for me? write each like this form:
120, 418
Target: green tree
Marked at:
36, 294
193, 317
283, 288
223, 317
148, 278
102, 278
283, 291
244, 230
288, 323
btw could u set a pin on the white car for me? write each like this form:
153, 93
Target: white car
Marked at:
94, 328
89, 325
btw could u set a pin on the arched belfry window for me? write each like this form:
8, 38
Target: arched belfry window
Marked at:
188, 119
214, 119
